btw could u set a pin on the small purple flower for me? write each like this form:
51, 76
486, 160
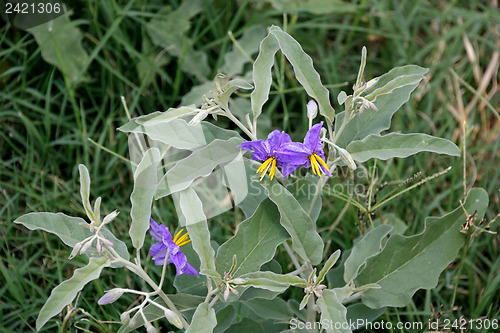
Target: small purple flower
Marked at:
167, 245
267, 150
309, 154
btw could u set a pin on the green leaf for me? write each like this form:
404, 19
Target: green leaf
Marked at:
245, 325
262, 75
304, 71
195, 95
332, 311
386, 80
254, 243
200, 163
398, 267
168, 29
233, 85
85, 190
225, 317
179, 134
60, 43
317, 7
142, 196
361, 314
399, 145
160, 117
64, 293
368, 246
234, 60
276, 309
203, 321
69, 230
306, 241
328, 265
272, 281
374, 122
196, 224
303, 190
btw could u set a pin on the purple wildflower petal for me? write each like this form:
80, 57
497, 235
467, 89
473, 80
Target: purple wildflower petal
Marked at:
287, 169
156, 230
312, 140
276, 139
295, 153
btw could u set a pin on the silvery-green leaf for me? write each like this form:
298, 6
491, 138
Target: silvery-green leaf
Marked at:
272, 281
233, 85
196, 224
203, 321
64, 293
387, 79
374, 122
179, 134
60, 42
276, 309
399, 145
211, 273
398, 267
69, 230
391, 219
305, 239
328, 265
142, 196
225, 317
246, 325
361, 314
254, 243
304, 190
262, 75
85, 190
304, 70
341, 97
369, 246
200, 163
234, 60
160, 117
332, 311
195, 95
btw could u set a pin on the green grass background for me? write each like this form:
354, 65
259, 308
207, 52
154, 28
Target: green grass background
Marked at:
46, 121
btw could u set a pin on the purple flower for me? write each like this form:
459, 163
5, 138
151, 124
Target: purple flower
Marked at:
267, 151
167, 245
309, 154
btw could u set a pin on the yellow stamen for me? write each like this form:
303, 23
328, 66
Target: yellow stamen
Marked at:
322, 162
269, 163
314, 164
177, 235
182, 240
273, 169
264, 165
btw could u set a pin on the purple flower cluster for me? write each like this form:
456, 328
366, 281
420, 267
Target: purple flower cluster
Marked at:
279, 151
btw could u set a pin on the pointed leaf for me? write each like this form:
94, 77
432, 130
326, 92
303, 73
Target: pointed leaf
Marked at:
369, 246
305, 239
142, 196
200, 163
374, 122
196, 224
69, 230
328, 265
272, 281
398, 267
262, 75
179, 134
399, 145
203, 321
85, 190
64, 293
304, 71
160, 117
332, 311
254, 243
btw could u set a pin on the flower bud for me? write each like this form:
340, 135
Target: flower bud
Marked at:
75, 251
347, 158
110, 217
198, 118
238, 281
107, 242
312, 109
110, 296
150, 328
173, 318
226, 293
86, 246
